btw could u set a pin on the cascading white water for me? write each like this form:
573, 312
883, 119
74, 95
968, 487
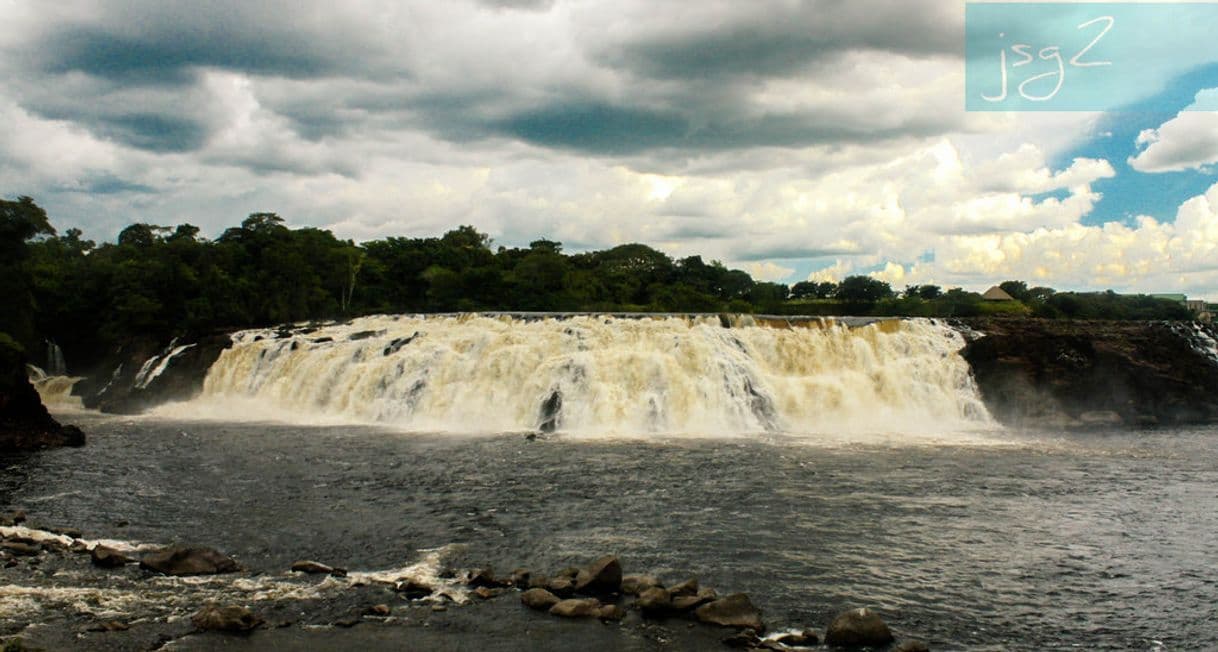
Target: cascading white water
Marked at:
600, 374
55, 391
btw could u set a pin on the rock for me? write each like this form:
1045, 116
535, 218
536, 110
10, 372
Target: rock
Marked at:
109, 626
687, 602
577, 608
611, 612
22, 549
538, 582
188, 560
911, 646
746, 639
539, 599
486, 593
735, 610
636, 584
656, 601
688, 587
413, 590
311, 567
70, 532
1094, 373
483, 577
232, 618
858, 628
601, 577
105, 557
25, 423
19, 517
379, 610
806, 638
347, 622
521, 577
561, 586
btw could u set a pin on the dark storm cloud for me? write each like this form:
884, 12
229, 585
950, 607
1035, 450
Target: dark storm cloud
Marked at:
171, 57
783, 39
621, 130
789, 253
532, 5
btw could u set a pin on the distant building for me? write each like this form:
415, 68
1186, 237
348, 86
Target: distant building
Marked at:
997, 294
1202, 310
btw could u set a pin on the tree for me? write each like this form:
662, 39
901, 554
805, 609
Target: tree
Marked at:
930, 292
1017, 289
862, 291
21, 221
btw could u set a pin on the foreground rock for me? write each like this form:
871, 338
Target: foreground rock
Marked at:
25, 423
735, 610
577, 608
601, 577
858, 628
1094, 373
105, 557
225, 619
539, 599
309, 567
186, 560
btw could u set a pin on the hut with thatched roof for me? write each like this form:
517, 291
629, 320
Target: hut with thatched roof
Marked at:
996, 294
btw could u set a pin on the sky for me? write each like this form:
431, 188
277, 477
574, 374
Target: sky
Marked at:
795, 140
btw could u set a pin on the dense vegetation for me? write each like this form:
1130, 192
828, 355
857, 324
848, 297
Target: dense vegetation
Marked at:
168, 281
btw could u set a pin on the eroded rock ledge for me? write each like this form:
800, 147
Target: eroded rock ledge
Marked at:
1094, 373
25, 423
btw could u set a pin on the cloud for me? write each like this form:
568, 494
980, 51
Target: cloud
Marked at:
1187, 141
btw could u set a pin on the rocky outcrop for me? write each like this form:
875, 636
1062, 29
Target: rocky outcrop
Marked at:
187, 560
25, 423
735, 610
144, 373
858, 628
1076, 373
232, 618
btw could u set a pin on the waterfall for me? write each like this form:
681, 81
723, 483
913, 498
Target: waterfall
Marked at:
56, 365
600, 374
157, 364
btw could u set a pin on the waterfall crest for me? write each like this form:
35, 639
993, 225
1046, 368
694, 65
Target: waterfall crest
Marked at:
600, 374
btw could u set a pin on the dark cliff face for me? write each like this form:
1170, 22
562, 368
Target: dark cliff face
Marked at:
117, 386
25, 423
1057, 372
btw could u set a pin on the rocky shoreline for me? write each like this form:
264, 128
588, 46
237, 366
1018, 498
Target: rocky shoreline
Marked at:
312, 597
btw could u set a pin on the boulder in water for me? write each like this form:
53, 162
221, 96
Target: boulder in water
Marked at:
106, 557
735, 610
562, 586
577, 608
636, 584
858, 628
911, 646
655, 601
188, 560
688, 587
601, 577
539, 599
311, 567
232, 618
21, 548
611, 612
806, 638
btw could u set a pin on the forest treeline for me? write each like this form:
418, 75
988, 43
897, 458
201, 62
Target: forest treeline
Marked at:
166, 281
